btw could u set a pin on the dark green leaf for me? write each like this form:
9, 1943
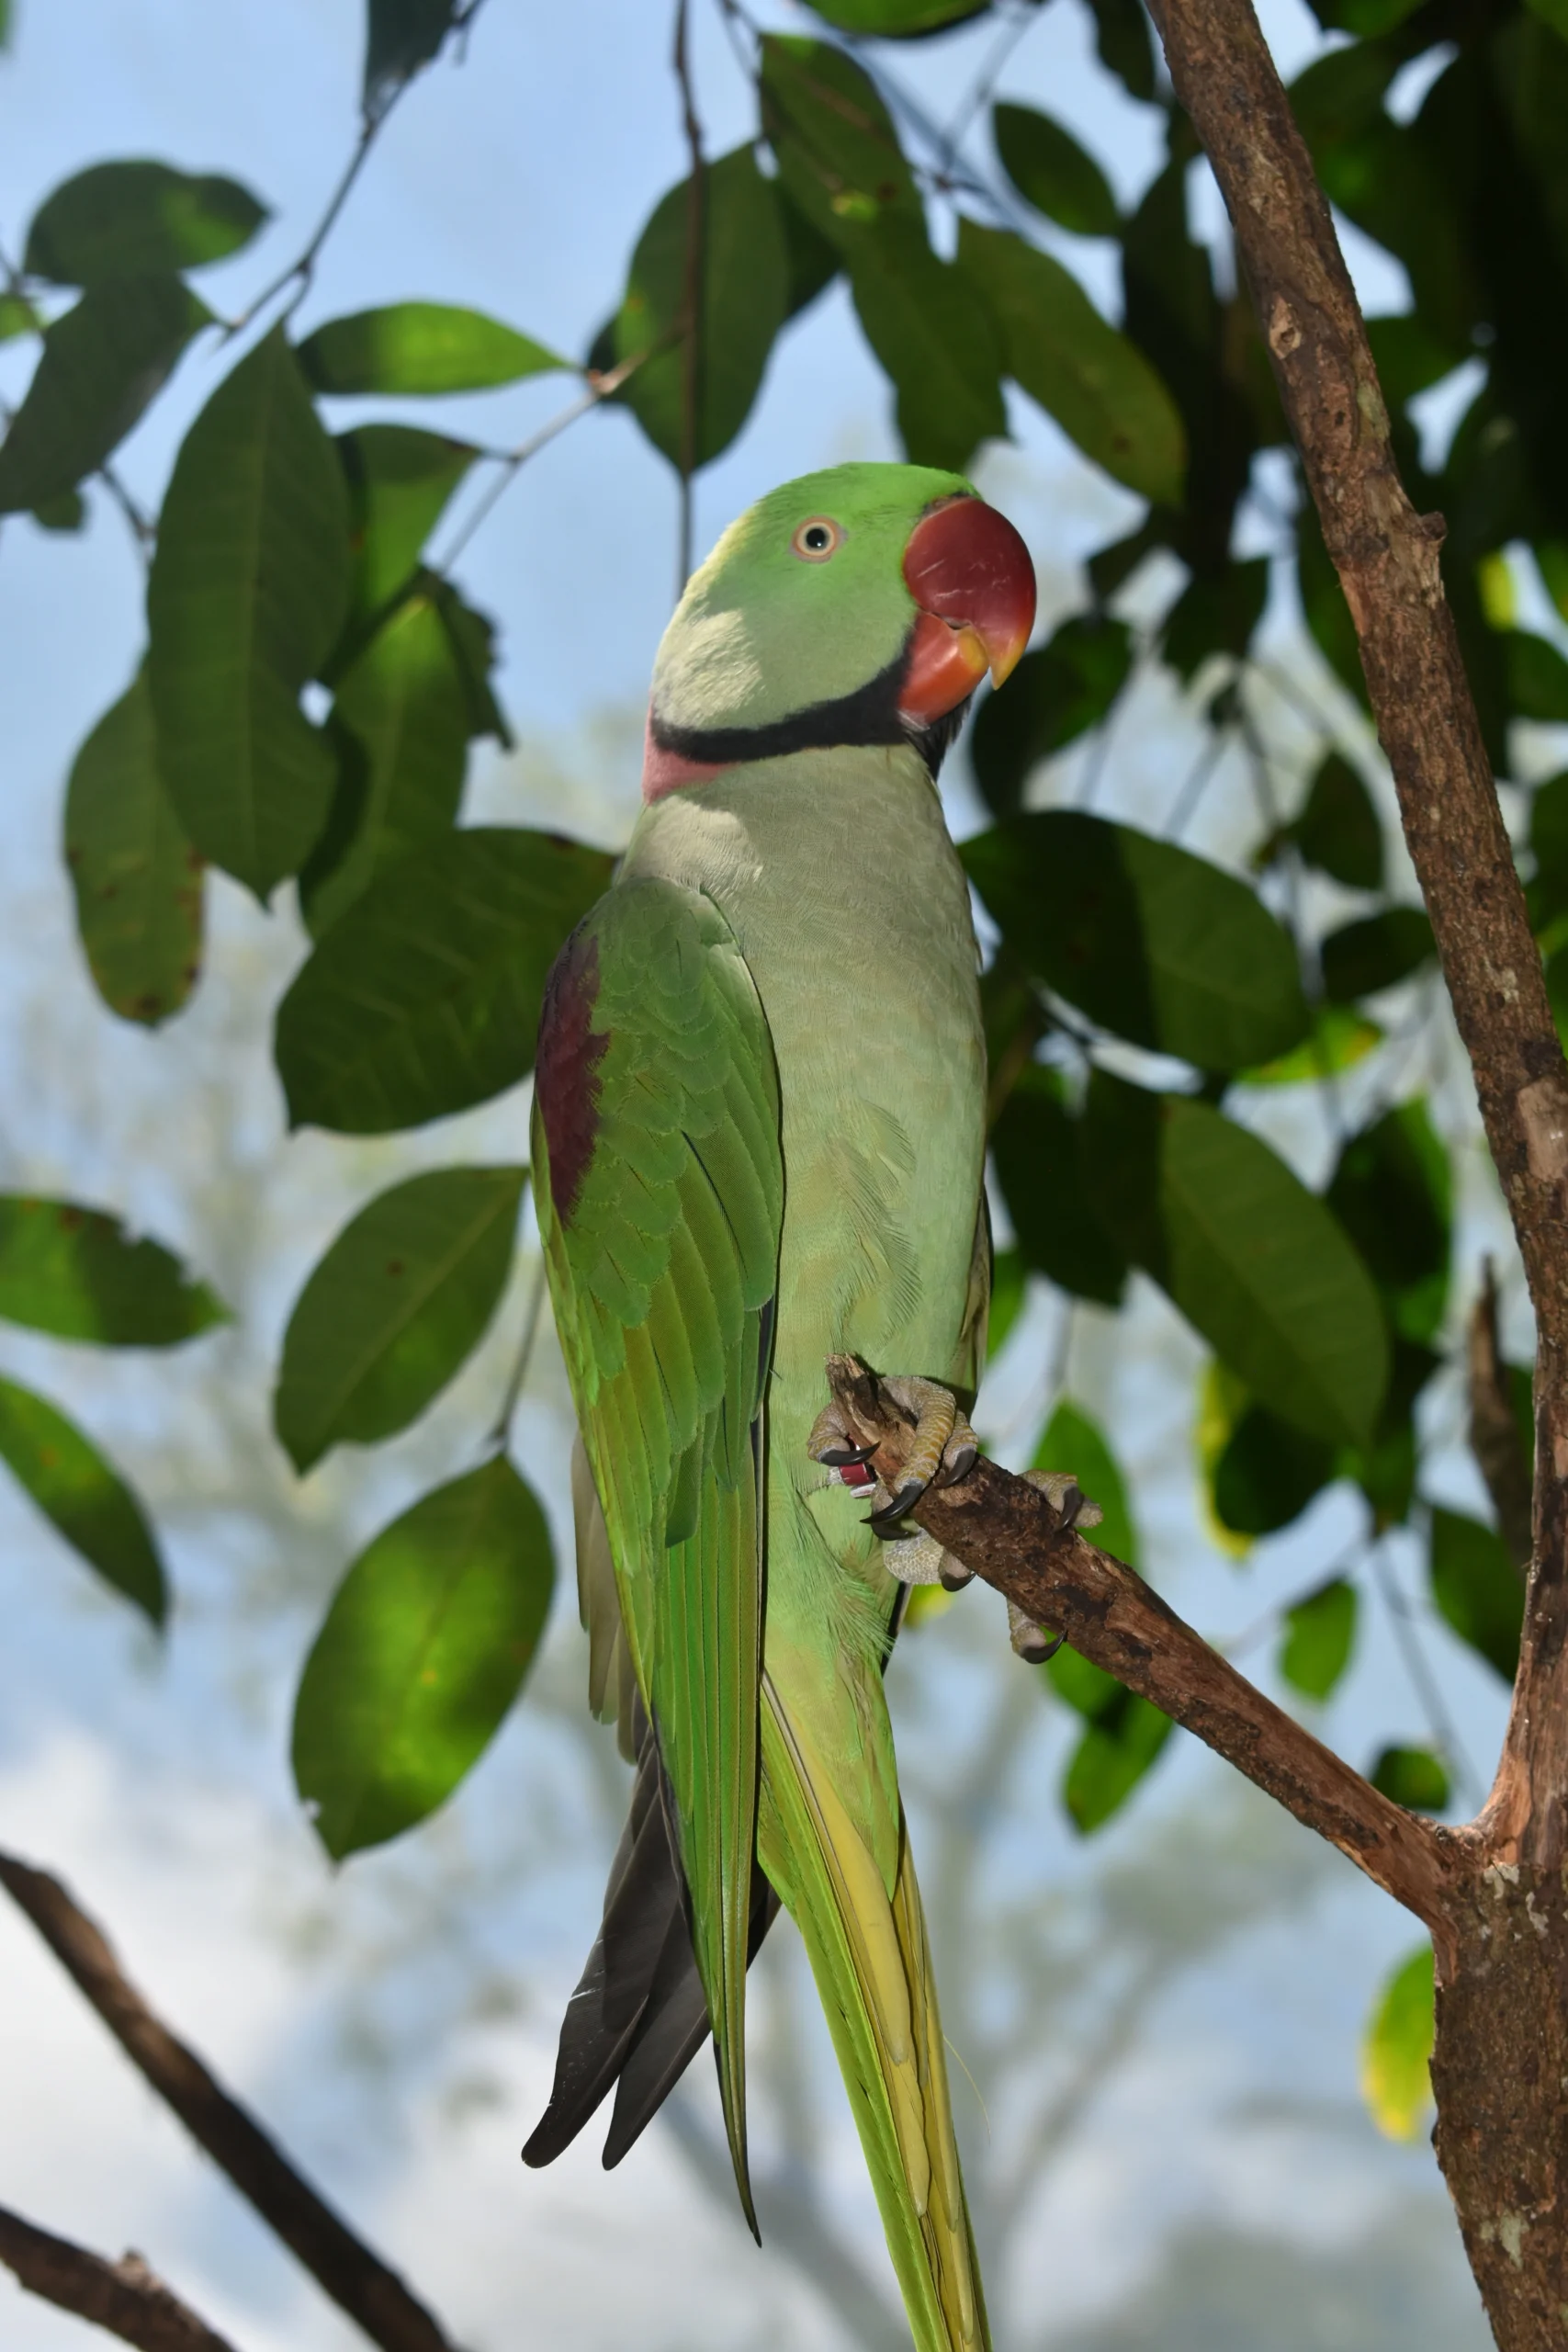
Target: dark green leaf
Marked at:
1112, 1757
425, 997
1337, 829
1377, 952
1252, 1259
1413, 1777
401, 730
1411, 355
933, 336
1393, 1193
1083, 371
423, 1653
1327, 614
897, 19
1320, 1633
1054, 695
75, 1272
248, 588
1338, 1040
101, 365
399, 483
1396, 2080
1009, 1282
1059, 1235
838, 151
68, 513
744, 291
1052, 172
1154, 944
129, 220
811, 260
472, 637
1215, 613
420, 348
1538, 678
1125, 44
138, 881
1268, 1473
403, 35
1384, 1469
399, 1303
1072, 1444
1478, 1588
88, 1502
1548, 844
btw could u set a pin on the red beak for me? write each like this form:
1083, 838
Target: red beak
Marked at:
969, 572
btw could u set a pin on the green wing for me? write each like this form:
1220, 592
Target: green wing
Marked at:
659, 1184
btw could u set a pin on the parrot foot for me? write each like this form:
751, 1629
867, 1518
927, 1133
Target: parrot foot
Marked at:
944, 1448
1031, 1642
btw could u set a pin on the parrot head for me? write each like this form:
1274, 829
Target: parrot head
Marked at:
862, 604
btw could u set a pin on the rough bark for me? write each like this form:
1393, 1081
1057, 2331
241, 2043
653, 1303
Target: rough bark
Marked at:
1493, 1431
356, 2278
125, 2296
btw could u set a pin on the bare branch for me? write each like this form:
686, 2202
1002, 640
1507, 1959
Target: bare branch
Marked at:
356, 2279
1386, 556
125, 2296
1009, 1534
1494, 1429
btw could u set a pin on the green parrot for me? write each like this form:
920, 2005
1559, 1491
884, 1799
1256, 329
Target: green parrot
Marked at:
759, 1140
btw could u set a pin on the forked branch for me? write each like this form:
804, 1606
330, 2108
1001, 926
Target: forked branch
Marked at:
125, 2296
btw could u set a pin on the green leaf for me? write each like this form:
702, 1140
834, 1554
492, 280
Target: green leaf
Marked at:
401, 730
745, 288
1538, 678
837, 151
1115, 1752
1337, 829
420, 348
425, 997
1052, 172
1056, 693
1411, 355
403, 35
472, 639
1339, 1040
1253, 1260
88, 1502
1320, 1633
1125, 45
1268, 1473
1072, 1443
399, 1303
400, 481
128, 220
932, 334
138, 881
17, 316
1551, 12
248, 589
1215, 613
1477, 1588
102, 363
1361, 958
1152, 942
74, 1272
1385, 1468
423, 1651
811, 261
1084, 372
1010, 1283
1412, 1777
897, 19
1397, 2081
65, 514
1059, 1233
1393, 1192
1327, 614
1548, 845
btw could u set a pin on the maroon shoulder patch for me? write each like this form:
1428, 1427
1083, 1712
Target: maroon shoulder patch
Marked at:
566, 1078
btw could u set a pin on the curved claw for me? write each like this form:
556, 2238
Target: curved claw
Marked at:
964, 1461
843, 1457
902, 1504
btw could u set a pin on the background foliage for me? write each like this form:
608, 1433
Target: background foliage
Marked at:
1222, 1069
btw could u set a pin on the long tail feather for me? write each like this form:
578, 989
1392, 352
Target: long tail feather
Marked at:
872, 1971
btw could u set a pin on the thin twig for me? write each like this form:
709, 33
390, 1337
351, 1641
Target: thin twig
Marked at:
1422, 1681
357, 2280
124, 2297
600, 388
503, 1419
692, 353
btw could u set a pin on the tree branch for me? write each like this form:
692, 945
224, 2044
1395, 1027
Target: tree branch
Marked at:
1386, 556
1007, 1532
125, 2296
356, 2279
1493, 1429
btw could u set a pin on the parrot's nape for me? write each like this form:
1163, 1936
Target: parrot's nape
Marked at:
759, 1140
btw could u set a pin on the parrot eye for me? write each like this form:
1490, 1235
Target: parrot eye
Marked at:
817, 539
